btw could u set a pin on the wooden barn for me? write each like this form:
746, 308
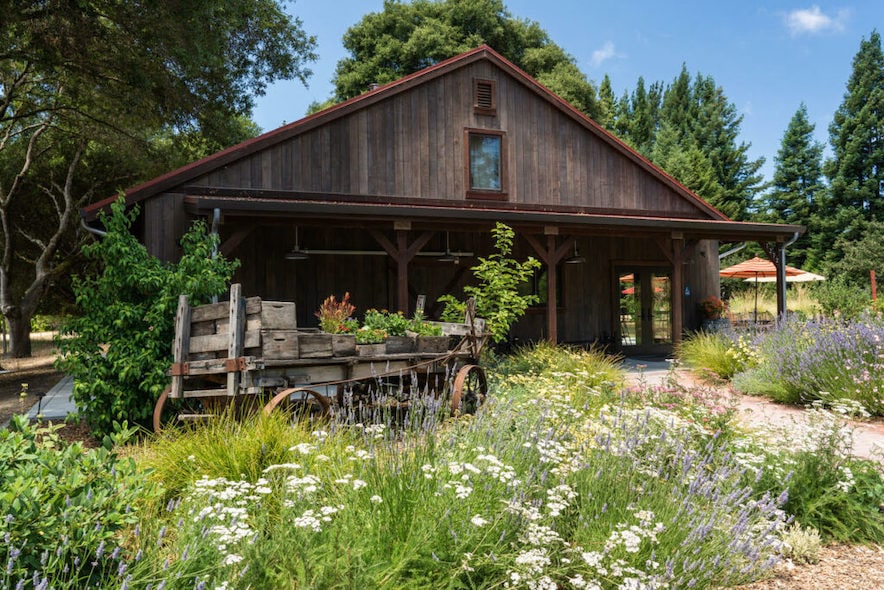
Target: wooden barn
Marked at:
392, 194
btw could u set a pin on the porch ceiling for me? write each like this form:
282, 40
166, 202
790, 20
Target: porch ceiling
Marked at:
480, 215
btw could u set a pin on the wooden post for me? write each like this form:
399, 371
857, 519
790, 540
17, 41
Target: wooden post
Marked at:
552, 315
551, 256
180, 346
237, 327
402, 260
781, 280
874, 285
677, 289
402, 253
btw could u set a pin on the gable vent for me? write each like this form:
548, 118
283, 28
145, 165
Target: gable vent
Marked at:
484, 97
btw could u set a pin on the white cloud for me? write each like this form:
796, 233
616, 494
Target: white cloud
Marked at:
604, 54
813, 20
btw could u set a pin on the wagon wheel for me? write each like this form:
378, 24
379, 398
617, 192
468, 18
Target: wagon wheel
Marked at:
314, 397
158, 409
469, 390
178, 411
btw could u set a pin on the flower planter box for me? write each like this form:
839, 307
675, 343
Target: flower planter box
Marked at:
432, 344
400, 344
344, 344
279, 344
313, 346
717, 325
371, 349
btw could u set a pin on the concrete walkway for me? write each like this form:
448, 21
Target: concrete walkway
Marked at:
58, 402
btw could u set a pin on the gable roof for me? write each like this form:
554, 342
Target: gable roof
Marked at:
185, 174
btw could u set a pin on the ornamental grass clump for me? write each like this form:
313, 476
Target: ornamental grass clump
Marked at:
719, 355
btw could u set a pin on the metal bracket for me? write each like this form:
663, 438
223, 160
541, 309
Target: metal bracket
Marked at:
235, 364
180, 369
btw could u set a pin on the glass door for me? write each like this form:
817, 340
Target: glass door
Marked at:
645, 325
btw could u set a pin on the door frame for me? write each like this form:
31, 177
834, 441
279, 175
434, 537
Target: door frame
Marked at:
619, 268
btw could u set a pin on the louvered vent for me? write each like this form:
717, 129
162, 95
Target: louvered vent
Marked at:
484, 100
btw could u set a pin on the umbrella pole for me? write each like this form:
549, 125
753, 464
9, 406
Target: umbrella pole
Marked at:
755, 318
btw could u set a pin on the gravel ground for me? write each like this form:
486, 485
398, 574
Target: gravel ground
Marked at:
840, 567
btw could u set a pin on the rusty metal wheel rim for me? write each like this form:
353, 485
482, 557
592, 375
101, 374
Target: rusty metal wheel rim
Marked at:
457, 389
286, 393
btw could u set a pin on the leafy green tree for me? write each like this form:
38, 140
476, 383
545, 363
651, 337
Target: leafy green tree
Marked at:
120, 347
80, 78
797, 182
497, 294
406, 37
862, 255
856, 171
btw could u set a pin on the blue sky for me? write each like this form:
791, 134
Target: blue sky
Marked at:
767, 56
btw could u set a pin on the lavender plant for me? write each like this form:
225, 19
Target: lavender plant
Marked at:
827, 360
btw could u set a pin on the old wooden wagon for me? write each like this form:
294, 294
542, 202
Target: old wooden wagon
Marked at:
246, 351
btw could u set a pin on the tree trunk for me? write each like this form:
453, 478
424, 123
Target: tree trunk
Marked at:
19, 336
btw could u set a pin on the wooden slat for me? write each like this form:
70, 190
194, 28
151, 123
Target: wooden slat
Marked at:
236, 333
181, 344
221, 342
205, 392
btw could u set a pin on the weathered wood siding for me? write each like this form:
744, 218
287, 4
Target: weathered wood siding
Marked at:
410, 145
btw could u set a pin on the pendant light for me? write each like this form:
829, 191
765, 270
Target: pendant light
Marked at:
297, 253
576, 258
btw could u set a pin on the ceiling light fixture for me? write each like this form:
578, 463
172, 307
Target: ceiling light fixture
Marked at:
576, 258
297, 253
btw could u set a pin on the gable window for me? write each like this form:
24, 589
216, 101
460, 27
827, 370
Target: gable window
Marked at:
486, 164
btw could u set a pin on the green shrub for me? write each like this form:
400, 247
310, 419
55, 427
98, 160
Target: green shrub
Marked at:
62, 508
120, 347
497, 295
837, 298
590, 376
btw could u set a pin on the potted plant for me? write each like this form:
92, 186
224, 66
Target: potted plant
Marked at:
395, 325
370, 341
713, 310
338, 330
429, 335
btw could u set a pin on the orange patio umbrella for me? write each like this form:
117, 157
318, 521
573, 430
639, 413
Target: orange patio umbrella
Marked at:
756, 268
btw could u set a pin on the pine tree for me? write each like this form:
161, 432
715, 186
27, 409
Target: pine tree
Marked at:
856, 172
683, 160
607, 105
797, 183
715, 130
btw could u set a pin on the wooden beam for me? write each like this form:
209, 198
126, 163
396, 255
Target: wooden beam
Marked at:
677, 289
551, 256
236, 239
